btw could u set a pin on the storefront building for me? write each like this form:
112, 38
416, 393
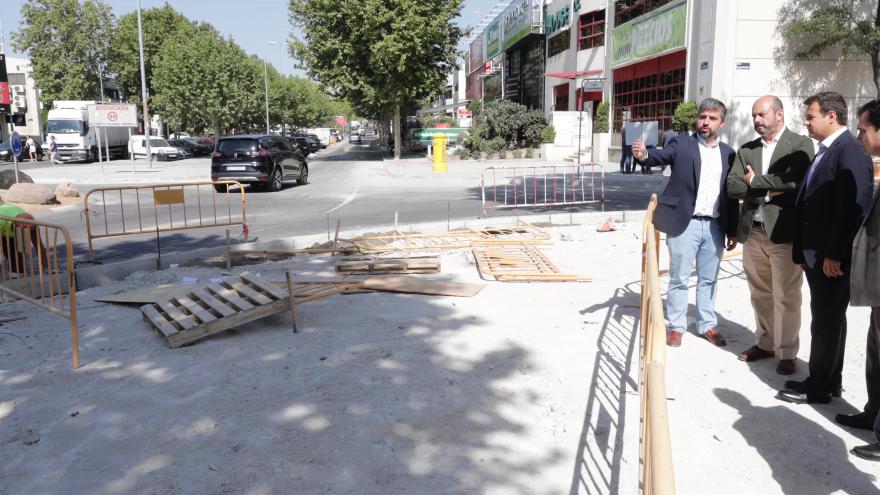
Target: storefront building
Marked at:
522, 42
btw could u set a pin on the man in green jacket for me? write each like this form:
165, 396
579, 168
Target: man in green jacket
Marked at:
13, 258
766, 176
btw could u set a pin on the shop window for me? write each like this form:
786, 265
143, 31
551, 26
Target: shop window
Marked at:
627, 10
591, 30
649, 97
558, 43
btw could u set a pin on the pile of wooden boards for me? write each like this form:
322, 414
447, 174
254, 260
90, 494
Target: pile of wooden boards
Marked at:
518, 262
375, 265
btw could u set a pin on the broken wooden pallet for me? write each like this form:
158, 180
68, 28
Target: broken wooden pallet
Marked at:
382, 265
521, 262
194, 315
455, 239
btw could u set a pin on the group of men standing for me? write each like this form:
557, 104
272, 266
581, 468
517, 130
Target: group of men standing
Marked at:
800, 210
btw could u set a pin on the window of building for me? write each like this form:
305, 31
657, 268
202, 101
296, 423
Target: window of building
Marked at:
627, 10
560, 98
559, 43
591, 30
649, 97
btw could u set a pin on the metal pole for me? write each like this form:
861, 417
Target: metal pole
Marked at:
144, 95
130, 154
580, 122
266, 78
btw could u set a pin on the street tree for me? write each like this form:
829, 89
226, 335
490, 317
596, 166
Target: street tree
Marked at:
403, 50
852, 27
159, 25
204, 80
67, 43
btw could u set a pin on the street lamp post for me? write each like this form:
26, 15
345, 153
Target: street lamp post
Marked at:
144, 94
266, 80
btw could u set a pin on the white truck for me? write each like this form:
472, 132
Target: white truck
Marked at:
323, 134
68, 121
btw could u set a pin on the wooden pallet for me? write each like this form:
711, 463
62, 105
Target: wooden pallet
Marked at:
376, 265
455, 239
201, 312
521, 262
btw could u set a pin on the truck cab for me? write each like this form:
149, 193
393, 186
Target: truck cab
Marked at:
68, 121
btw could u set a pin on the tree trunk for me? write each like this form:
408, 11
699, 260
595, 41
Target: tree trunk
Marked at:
875, 56
216, 131
396, 132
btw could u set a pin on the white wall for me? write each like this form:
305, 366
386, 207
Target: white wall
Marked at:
23, 66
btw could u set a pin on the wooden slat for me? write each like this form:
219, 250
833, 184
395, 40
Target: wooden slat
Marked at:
219, 325
158, 321
244, 290
229, 296
423, 286
195, 310
213, 302
180, 318
265, 286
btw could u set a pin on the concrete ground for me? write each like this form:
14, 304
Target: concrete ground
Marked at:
522, 389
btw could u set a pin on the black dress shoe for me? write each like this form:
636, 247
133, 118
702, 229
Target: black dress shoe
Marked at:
801, 387
870, 452
796, 397
863, 420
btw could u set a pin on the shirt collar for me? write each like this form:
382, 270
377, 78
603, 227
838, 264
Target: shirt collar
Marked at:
830, 139
702, 141
775, 139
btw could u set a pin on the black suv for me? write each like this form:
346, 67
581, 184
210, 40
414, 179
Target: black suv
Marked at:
258, 159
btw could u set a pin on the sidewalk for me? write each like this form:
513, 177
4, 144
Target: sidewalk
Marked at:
121, 172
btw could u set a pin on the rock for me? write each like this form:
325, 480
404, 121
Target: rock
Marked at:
31, 194
65, 191
7, 178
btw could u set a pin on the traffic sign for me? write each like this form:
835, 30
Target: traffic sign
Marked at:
16, 143
112, 115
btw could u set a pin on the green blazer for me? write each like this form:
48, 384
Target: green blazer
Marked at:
788, 166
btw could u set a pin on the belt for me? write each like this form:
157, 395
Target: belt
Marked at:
703, 217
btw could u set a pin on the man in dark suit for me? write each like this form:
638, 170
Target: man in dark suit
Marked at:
766, 176
695, 213
830, 206
864, 287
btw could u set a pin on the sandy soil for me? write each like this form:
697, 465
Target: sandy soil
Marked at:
522, 389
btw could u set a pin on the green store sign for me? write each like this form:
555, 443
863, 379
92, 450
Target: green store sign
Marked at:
493, 39
458, 133
656, 33
560, 18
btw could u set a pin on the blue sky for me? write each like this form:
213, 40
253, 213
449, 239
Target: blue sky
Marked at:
252, 23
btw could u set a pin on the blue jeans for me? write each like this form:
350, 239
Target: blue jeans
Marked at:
703, 242
626, 160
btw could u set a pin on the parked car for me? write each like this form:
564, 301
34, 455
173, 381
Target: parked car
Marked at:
201, 147
308, 142
260, 160
191, 148
182, 148
315, 138
208, 140
6, 152
159, 148
354, 138
302, 147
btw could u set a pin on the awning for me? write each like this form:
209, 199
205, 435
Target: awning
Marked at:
574, 75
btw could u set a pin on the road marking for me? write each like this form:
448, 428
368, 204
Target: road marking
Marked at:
345, 201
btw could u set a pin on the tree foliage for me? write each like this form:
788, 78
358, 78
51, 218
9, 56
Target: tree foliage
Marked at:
812, 31
67, 42
685, 116
505, 124
601, 122
380, 55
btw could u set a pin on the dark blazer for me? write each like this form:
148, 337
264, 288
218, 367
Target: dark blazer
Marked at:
675, 207
788, 166
864, 287
830, 209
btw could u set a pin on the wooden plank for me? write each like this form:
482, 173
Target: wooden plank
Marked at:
214, 303
158, 321
221, 324
244, 290
194, 309
265, 286
180, 318
229, 297
423, 286
155, 294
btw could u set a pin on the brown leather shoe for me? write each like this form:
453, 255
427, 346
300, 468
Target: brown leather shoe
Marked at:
786, 367
673, 339
714, 337
755, 353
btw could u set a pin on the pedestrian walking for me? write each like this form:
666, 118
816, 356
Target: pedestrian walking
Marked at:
829, 208
32, 148
53, 150
863, 286
695, 213
766, 176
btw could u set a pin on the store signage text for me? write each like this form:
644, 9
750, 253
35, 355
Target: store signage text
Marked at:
517, 22
560, 18
650, 35
493, 38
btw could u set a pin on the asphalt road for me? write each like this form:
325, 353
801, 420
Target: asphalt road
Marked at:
353, 184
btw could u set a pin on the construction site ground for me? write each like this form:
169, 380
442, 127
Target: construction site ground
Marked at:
525, 388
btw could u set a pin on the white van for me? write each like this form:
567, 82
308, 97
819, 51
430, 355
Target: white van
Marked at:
323, 134
159, 148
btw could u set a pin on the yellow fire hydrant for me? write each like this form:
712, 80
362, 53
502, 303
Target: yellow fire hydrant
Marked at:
439, 150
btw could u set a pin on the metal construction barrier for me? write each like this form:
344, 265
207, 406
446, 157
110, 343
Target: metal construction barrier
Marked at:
153, 209
33, 270
542, 185
657, 477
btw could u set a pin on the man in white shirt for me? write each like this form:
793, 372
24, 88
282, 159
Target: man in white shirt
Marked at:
766, 176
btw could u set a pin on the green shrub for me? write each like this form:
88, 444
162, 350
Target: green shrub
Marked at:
685, 116
548, 135
475, 154
517, 154
530, 153
461, 153
503, 123
601, 121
